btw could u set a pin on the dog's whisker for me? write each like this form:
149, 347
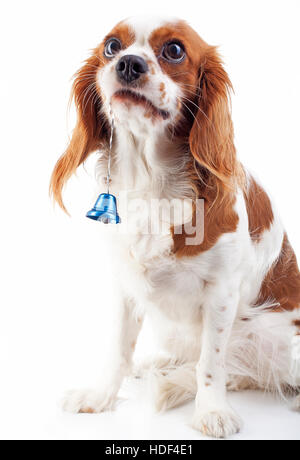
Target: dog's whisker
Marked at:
93, 66
179, 74
88, 91
193, 115
185, 98
186, 84
85, 91
100, 59
189, 92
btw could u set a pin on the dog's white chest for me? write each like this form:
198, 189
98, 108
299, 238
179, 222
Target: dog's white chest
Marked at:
150, 270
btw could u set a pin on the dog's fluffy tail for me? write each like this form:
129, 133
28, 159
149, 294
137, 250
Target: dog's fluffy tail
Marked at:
173, 385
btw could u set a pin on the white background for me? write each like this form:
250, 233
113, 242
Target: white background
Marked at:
55, 278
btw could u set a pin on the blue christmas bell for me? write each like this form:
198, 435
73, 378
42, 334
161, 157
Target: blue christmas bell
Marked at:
105, 210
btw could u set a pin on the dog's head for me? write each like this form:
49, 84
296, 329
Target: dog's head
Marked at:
153, 75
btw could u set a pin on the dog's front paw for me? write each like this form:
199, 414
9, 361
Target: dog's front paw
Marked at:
217, 423
87, 402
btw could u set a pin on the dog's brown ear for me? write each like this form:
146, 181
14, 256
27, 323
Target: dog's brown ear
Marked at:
211, 137
90, 132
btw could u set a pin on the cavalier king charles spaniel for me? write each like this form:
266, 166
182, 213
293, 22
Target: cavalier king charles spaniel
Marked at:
220, 281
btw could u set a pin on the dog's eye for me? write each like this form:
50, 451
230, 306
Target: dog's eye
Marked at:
174, 52
112, 47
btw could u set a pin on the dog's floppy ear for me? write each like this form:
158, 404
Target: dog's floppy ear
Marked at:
90, 132
211, 137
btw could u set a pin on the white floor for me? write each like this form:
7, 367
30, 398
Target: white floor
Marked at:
264, 417
38, 363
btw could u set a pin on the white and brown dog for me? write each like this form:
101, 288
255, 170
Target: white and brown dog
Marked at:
226, 309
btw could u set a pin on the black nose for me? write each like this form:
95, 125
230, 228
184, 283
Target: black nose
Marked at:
130, 68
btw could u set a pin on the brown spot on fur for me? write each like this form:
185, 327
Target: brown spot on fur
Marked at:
217, 350
208, 376
87, 410
220, 330
296, 322
259, 208
162, 89
208, 384
144, 80
282, 283
151, 67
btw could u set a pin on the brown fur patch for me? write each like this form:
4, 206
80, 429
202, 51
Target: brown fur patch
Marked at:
219, 218
259, 208
282, 283
162, 87
296, 322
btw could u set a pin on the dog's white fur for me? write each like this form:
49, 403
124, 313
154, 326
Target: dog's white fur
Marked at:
197, 304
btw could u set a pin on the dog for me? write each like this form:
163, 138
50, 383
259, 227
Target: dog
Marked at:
224, 298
